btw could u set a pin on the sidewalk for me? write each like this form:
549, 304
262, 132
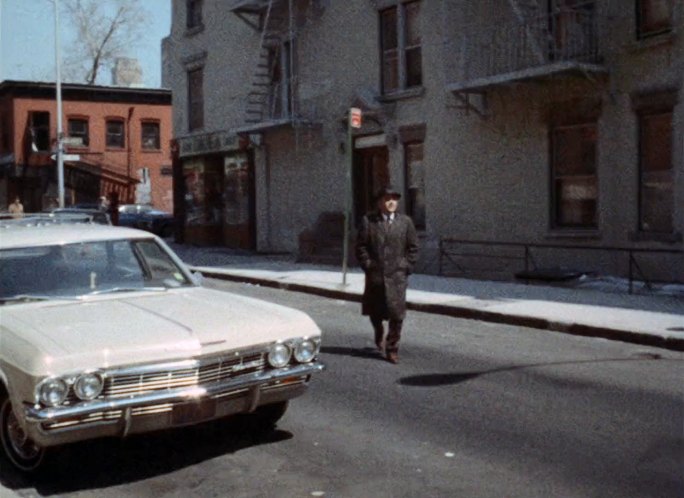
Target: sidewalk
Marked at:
596, 308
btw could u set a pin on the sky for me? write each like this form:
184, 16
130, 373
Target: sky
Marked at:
27, 41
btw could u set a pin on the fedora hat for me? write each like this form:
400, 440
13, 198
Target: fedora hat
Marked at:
387, 190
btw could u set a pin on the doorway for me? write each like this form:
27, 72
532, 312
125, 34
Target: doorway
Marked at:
369, 174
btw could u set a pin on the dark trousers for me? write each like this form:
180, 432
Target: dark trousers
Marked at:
393, 333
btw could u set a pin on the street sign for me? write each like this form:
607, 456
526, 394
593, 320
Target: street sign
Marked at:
355, 117
67, 157
73, 141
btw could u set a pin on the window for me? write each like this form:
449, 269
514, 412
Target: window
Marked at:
415, 183
78, 128
400, 47
195, 99
4, 132
656, 174
115, 134
194, 13
150, 136
574, 193
280, 97
653, 17
39, 128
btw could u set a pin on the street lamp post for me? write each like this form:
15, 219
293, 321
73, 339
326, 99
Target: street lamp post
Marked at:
60, 133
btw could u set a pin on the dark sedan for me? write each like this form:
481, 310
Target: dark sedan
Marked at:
146, 217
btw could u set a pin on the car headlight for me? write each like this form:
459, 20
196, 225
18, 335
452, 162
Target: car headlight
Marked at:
88, 386
305, 350
52, 392
279, 355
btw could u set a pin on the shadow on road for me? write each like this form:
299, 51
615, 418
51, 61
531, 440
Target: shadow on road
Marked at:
443, 379
110, 462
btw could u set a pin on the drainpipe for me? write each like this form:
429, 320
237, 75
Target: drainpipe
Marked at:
129, 154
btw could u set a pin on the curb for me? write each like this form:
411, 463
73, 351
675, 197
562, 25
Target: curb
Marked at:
671, 343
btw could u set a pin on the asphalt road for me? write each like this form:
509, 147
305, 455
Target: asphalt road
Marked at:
472, 410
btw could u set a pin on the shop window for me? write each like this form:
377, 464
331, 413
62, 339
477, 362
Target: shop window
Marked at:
150, 136
400, 40
196, 99
574, 182
653, 17
39, 128
415, 183
656, 174
78, 129
194, 13
115, 134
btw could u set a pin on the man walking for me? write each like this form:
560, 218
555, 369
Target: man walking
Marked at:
387, 250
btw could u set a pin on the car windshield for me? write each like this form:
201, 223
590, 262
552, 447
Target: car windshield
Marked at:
76, 270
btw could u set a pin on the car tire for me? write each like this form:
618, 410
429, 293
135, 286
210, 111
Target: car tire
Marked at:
20, 450
266, 417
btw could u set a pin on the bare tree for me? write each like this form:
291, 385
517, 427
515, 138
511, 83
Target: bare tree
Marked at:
104, 31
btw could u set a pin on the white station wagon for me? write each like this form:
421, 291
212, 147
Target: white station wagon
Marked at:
105, 332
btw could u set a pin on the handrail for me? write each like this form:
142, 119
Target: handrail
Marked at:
527, 254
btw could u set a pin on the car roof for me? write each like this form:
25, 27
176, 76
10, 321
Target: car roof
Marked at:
36, 234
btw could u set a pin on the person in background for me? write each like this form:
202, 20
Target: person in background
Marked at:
387, 250
104, 203
16, 209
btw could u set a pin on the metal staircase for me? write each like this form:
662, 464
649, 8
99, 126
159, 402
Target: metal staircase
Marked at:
264, 87
270, 99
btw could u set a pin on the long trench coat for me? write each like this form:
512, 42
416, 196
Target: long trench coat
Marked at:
387, 254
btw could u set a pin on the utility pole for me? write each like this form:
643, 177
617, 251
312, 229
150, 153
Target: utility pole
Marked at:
353, 121
60, 132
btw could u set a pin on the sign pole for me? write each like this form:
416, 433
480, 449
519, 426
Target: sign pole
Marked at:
354, 121
60, 133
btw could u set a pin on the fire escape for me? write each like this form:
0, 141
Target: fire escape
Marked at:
272, 96
532, 40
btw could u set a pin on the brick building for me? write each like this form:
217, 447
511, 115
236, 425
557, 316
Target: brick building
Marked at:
117, 140
553, 127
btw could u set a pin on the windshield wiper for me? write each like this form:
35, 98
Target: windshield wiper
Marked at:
113, 290
35, 297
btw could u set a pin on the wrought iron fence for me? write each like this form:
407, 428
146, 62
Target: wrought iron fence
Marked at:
523, 258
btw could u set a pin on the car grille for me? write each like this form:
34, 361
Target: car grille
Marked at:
135, 381
203, 372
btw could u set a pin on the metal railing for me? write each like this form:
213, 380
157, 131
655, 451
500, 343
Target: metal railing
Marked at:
567, 34
450, 248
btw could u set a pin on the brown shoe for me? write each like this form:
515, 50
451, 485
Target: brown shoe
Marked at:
393, 358
380, 345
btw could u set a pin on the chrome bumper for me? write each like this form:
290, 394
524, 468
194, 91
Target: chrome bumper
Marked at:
187, 394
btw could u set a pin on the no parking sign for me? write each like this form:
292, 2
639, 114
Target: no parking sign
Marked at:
355, 117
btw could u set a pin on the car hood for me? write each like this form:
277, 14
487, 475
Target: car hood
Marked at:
107, 331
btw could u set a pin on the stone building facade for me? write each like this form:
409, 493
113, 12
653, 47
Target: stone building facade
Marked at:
117, 142
523, 133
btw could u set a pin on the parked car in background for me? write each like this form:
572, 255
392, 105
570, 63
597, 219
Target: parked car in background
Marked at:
94, 215
146, 217
106, 333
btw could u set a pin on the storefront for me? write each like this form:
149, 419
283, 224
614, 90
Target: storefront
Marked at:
218, 191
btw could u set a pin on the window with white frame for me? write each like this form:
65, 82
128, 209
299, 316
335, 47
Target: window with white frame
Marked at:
115, 134
150, 135
400, 46
78, 128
